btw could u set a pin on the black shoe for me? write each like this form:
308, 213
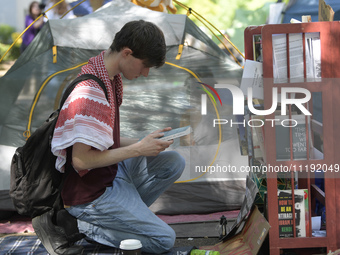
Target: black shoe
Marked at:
69, 226
51, 237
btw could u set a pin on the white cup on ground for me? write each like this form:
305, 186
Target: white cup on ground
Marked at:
130, 247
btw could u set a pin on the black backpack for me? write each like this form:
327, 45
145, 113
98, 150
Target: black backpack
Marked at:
35, 183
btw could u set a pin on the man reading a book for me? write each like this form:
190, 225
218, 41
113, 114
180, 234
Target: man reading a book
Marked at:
113, 180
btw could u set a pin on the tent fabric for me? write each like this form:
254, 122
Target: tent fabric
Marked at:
169, 96
297, 8
102, 22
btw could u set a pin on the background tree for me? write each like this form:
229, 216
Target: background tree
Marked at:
231, 16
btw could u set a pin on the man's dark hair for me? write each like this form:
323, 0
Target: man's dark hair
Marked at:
145, 40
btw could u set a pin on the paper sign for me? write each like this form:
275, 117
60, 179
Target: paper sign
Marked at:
252, 77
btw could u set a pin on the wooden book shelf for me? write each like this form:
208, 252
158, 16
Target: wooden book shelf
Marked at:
327, 87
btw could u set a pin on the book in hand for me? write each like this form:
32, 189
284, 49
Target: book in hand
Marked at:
175, 133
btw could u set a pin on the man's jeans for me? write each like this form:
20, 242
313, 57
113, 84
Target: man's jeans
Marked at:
122, 212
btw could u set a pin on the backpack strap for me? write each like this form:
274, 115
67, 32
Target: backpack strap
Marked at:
81, 78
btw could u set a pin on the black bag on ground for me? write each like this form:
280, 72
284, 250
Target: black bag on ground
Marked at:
35, 183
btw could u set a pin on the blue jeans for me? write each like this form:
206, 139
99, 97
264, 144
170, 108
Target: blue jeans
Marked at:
122, 212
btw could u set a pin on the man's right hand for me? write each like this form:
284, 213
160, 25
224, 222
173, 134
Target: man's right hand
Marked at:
151, 145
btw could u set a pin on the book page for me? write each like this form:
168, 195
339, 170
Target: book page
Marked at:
313, 56
280, 63
280, 58
296, 67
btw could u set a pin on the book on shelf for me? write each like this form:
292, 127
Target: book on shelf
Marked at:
296, 58
254, 148
285, 215
248, 135
258, 129
257, 48
256, 145
313, 56
283, 125
242, 135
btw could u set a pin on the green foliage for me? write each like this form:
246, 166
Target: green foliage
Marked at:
6, 39
232, 16
6, 32
13, 54
217, 12
245, 18
221, 13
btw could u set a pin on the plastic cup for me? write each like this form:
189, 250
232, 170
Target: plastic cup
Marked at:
130, 247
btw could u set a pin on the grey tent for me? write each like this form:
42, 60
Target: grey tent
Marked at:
31, 89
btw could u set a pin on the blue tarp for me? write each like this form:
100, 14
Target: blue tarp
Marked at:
309, 7
84, 8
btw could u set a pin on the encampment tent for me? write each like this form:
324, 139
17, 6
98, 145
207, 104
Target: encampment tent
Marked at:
31, 89
297, 8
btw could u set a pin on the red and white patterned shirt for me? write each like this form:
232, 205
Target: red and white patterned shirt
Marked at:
86, 116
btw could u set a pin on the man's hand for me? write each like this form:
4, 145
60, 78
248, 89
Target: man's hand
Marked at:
85, 157
151, 145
